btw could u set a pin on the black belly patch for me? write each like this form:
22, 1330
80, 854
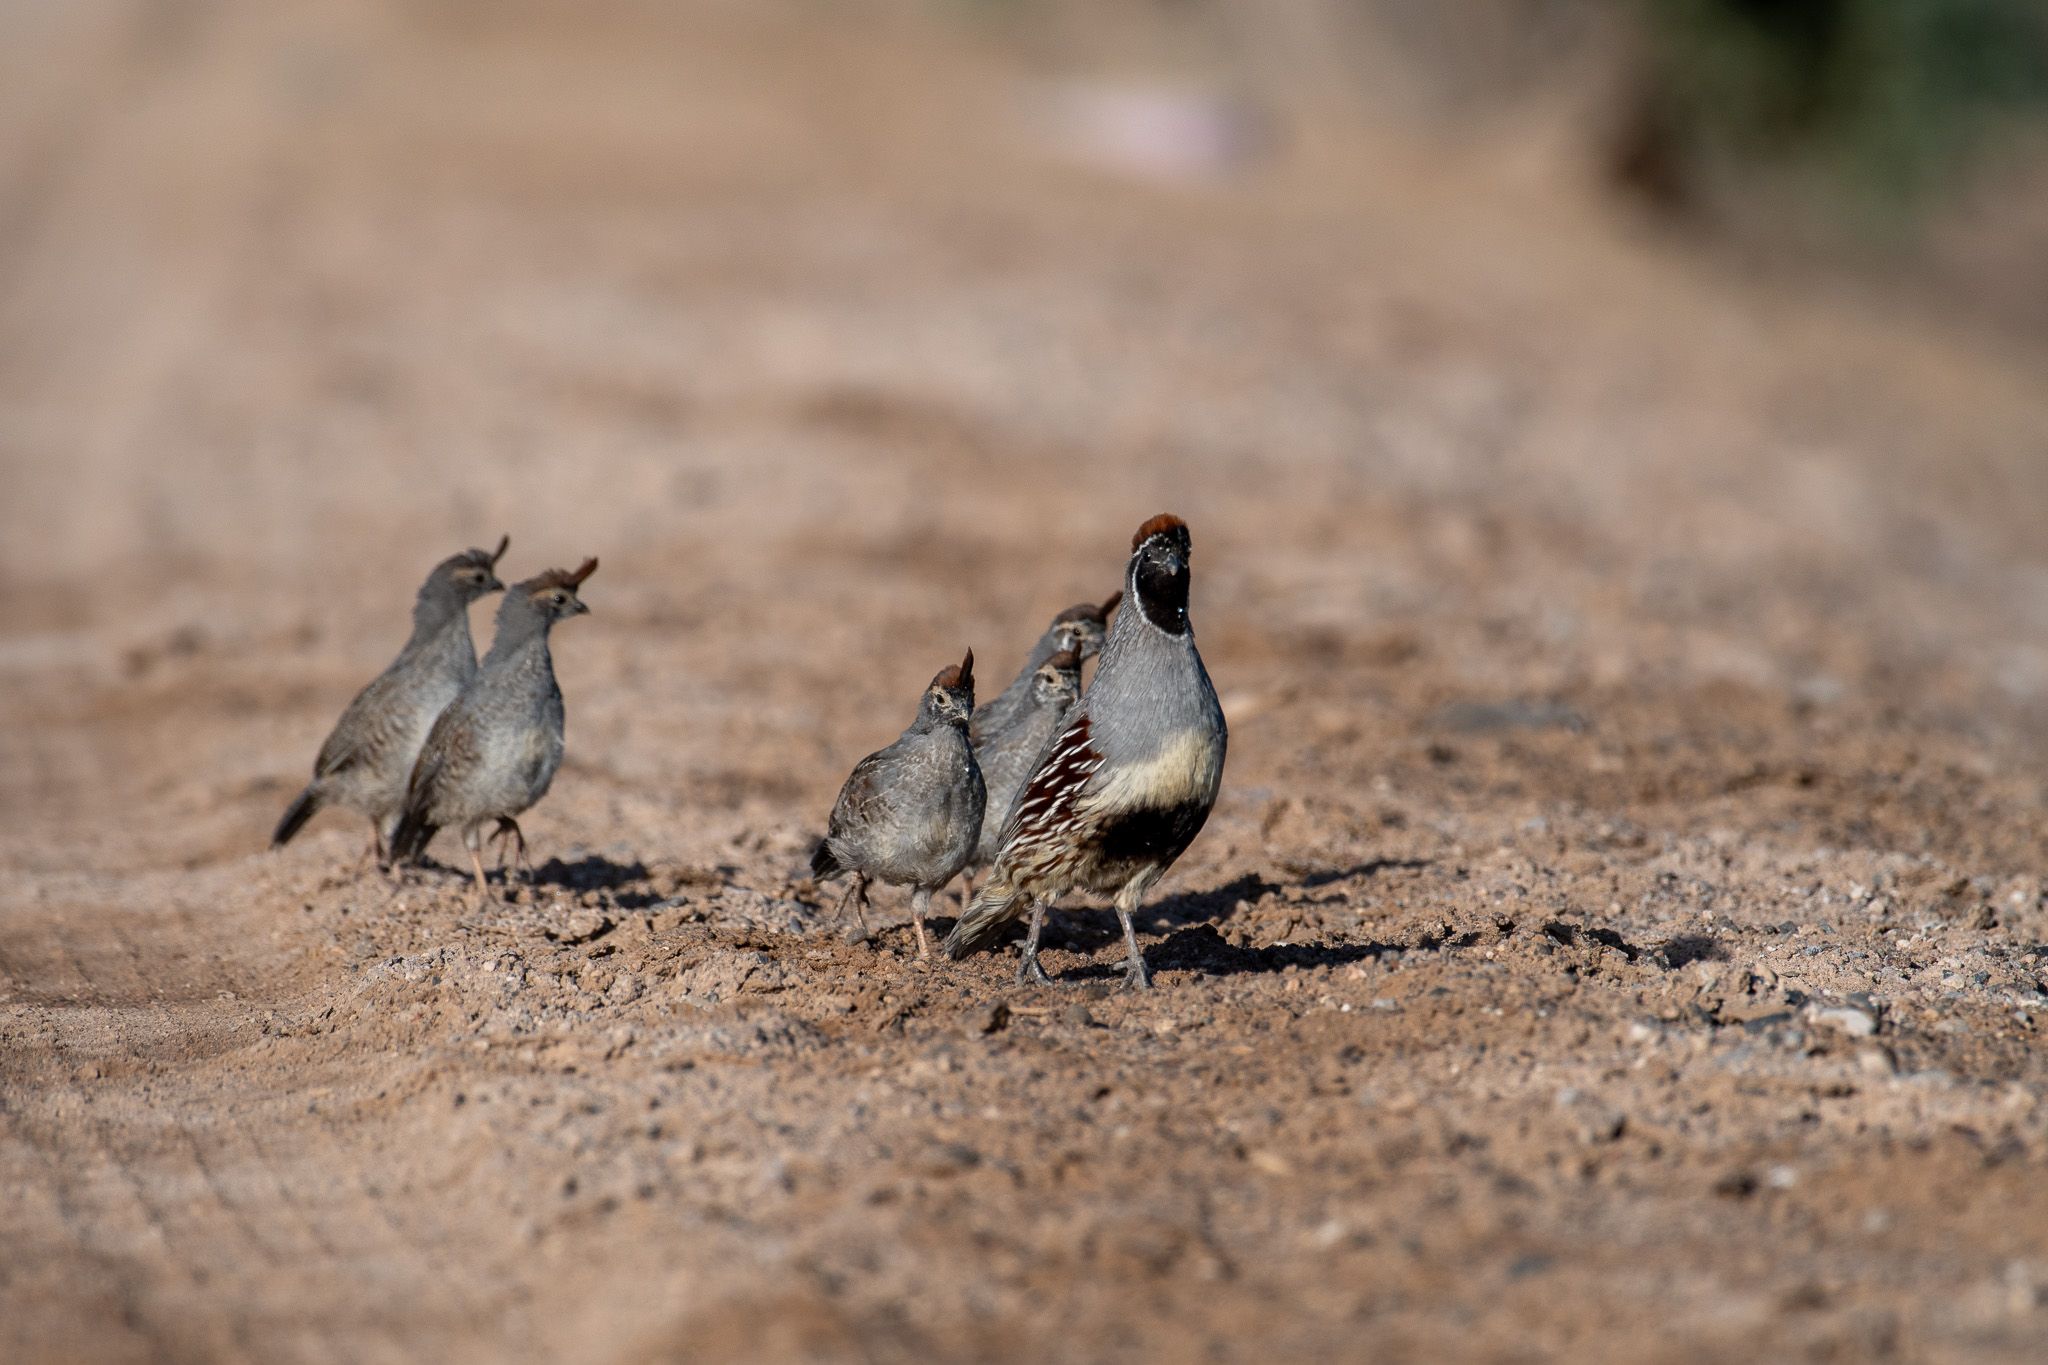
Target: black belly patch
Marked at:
1151, 833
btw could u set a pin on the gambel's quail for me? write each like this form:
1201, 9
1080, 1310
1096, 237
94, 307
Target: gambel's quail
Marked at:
495, 749
1079, 629
1127, 782
367, 760
909, 814
1008, 756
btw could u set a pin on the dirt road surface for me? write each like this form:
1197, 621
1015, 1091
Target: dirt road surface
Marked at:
1621, 934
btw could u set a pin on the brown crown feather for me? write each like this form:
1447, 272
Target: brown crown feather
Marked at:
562, 578
957, 675
1159, 525
504, 543
1110, 603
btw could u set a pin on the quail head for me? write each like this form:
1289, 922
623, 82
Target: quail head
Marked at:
1007, 755
1129, 779
493, 752
1079, 629
367, 760
908, 815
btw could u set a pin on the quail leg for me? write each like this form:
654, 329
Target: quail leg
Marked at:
476, 861
1136, 978
920, 902
1029, 970
374, 852
857, 897
511, 841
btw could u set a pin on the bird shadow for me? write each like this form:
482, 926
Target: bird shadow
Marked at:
1193, 941
595, 872
1201, 948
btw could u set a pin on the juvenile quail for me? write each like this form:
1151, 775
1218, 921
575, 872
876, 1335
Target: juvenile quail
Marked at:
1079, 629
1008, 755
909, 814
493, 752
367, 760
1127, 782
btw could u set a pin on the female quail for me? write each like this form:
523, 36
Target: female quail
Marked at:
909, 814
1008, 756
493, 752
1079, 629
367, 760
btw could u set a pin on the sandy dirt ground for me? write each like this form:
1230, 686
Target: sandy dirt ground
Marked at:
1621, 934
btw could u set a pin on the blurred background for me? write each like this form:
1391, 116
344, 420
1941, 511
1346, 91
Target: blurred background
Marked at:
1676, 310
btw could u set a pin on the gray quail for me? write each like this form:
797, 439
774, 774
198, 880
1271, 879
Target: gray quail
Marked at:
493, 752
1079, 629
909, 814
1007, 756
1128, 781
367, 760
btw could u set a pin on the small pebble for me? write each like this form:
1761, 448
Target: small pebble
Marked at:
1854, 1022
1077, 1015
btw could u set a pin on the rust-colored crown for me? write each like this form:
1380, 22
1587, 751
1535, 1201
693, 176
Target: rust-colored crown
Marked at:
1159, 525
562, 578
1066, 661
957, 675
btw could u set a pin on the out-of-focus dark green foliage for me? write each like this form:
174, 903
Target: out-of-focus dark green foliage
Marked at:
1886, 97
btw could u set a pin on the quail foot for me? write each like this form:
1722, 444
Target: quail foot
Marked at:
909, 814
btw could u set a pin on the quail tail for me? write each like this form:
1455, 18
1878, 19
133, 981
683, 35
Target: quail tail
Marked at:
824, 862
295, 817
981, 923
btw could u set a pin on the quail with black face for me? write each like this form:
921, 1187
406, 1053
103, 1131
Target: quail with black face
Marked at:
1128, 781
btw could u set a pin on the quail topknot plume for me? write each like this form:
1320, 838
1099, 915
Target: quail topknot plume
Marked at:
1008, 755
367, 760
1127, 782
909, 814
493, 752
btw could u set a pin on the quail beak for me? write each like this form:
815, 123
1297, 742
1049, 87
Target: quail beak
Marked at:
491, 584
578, 607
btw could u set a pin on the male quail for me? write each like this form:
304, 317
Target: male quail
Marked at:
1079, 629
1127, 782
1008, 755
495, 749
909, 813
367, 760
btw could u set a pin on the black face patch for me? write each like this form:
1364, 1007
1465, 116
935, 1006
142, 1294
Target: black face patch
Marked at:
1152, 834
1162, 587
